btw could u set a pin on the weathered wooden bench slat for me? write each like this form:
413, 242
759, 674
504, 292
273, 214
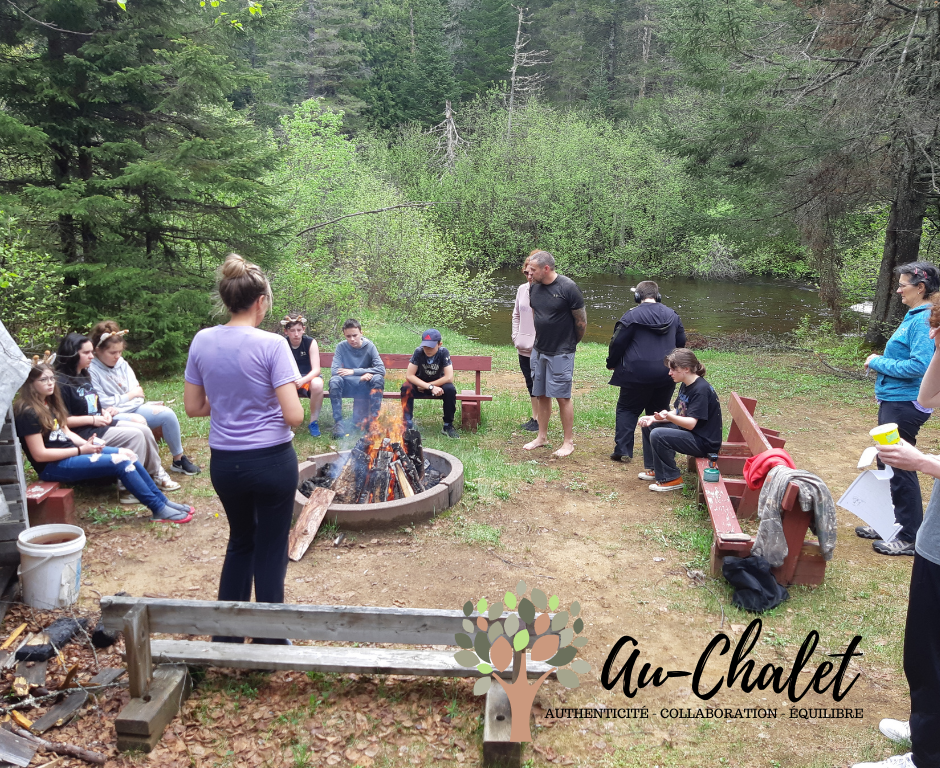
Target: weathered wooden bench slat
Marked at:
364, 661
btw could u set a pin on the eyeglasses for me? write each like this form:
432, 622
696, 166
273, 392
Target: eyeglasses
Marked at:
46, 379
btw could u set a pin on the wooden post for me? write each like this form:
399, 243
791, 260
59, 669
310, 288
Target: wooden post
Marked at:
137, 644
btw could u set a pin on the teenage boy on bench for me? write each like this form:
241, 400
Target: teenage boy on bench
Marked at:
357, 371
430, 374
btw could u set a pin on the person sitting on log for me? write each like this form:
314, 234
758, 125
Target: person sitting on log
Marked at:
306, 354
357, 371
693, 427
430, 374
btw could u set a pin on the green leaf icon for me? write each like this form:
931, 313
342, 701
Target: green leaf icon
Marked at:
579, 642
553, 603
580, 666
482, 685
521, 588
568, 678
510, 599
563, 657
526, 611
575, 608
512, 624
495, 630
565, 637
578, 626
463, 640
559, 621
481, 606
469, 626
466, 658
521, 640
467, 608
539, 599
485, 669
495, 611
481, 645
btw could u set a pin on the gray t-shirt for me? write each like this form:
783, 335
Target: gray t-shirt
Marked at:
927, 544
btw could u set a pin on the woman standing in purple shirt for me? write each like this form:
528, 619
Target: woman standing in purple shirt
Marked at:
242, 378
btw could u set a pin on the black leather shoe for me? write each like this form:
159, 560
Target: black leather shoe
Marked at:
621, 457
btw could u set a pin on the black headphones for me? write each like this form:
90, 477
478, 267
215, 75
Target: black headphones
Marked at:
637, 299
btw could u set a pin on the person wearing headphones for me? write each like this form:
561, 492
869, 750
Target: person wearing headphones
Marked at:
642, 338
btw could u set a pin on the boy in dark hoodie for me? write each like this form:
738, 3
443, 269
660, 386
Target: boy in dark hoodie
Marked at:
642, 339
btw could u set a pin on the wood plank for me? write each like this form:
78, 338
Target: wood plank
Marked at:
735, 487
297, 622
6, 431
15, 749
7, 454
11, 492
28, 675
61, 713
718, 502
498, 750
364, 661
8, 474
136, 628
146, 720
735, 449
9, 554
749, 428
396, 362
308, 523
37, 492
11, 529
472, 362
106, 675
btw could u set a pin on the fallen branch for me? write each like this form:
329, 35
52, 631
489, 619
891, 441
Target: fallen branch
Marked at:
63, 749
364, 213
32, 701
841, 373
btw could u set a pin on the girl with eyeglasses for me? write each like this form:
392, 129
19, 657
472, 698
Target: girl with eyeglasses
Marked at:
58, 454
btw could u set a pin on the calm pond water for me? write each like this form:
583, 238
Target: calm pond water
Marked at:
757, 306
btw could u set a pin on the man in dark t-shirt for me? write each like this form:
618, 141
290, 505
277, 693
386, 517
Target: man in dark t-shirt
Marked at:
560, 321
430, 373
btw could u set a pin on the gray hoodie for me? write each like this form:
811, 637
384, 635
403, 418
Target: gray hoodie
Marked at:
363, 360
113, 384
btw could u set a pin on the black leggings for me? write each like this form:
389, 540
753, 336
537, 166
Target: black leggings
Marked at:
525, 365
256, 488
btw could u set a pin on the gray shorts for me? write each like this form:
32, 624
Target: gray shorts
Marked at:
552, 374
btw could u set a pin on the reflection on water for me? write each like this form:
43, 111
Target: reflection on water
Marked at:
757, 306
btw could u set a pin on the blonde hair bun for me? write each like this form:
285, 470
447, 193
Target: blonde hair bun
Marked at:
235, 266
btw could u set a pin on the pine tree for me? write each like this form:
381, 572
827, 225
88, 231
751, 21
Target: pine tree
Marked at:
486, 31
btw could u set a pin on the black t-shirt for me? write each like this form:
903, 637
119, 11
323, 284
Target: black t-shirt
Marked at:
27, 423
700, 401
81, 399
302, 355
552, 304
430, 368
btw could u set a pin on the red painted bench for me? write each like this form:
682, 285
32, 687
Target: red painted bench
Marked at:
469, 399
730, 500
48, 504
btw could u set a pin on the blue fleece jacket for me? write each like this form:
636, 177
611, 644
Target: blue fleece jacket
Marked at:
906, 357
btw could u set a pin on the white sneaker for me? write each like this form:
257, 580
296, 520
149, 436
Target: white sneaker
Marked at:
166, 483
646, 475
895, 761
125, 496
896, 730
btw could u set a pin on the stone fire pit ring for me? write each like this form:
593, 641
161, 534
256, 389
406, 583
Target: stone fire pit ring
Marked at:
390, 514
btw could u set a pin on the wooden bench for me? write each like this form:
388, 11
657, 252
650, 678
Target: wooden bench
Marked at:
730, 500
47, 503
469, 399
13, 488
156, 693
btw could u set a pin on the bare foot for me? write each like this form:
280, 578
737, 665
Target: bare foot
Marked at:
566, 450
537, 443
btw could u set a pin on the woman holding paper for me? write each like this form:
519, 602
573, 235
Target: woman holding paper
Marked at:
922, 630
900, 371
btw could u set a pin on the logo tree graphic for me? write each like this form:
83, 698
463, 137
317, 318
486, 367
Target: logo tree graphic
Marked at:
491, 642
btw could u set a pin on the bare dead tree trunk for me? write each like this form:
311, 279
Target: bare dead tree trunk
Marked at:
646, 39
519, 84
450, 137
902, 246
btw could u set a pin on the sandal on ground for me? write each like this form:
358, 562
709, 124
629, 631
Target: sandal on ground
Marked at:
170, 515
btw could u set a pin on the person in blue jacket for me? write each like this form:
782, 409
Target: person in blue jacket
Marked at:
900, 371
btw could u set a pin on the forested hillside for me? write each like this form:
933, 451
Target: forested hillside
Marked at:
390, 153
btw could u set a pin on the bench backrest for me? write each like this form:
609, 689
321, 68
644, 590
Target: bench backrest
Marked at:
745, 429
400, 362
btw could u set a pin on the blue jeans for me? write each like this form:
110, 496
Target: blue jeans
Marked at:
159, 416
92, 466
352, 386
661, 441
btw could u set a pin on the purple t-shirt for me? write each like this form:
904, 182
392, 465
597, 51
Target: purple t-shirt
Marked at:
240, 367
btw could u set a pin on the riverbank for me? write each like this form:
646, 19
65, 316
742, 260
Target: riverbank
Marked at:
583, 528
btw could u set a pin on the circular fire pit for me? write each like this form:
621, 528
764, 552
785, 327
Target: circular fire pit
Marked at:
412, 509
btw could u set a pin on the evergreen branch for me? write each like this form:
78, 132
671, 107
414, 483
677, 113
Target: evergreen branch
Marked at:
53, 27
364, 213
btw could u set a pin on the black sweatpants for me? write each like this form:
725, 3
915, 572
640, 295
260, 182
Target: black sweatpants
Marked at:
633, 400
922, 661
525, 365
905, 487
256, 488
409, 392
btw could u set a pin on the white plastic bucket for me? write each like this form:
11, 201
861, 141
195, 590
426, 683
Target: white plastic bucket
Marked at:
51, 565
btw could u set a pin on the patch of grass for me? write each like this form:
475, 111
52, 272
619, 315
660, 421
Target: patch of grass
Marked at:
471, 532
104, 516
689, 532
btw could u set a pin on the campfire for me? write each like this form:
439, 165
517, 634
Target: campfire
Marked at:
387, 463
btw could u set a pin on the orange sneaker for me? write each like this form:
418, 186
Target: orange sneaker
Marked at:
672, 485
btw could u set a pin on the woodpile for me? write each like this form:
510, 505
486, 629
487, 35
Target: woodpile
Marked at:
383, 470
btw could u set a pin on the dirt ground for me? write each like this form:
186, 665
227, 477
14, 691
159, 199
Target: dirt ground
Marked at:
584, 537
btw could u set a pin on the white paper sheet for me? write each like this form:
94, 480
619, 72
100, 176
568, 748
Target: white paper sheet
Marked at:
869, 498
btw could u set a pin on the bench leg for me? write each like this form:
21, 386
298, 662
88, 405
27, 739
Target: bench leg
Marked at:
498, 750
141, 723
469, 415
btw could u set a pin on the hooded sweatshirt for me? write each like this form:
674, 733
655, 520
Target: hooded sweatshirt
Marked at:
642, 338
113, 384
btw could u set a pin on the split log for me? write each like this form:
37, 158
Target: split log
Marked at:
414, 449
309, 521
411, 473
402, 479
345, 483
63, 749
